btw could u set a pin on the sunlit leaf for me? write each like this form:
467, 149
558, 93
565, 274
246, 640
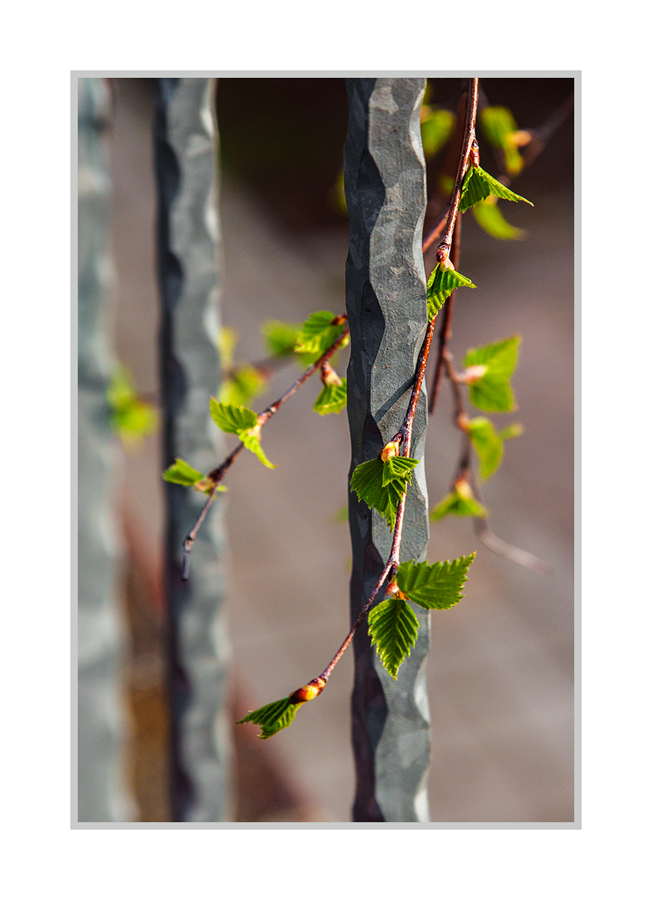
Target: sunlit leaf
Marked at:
478, 185
490, 218
318, 333
434, 586
500, 128
232, 419
443, 280
487, 444
273, 717
381, 488
131, 417
393, 627
280, 337
182, 473
241, 386
492, 392
460, 502
332, 398
436, 128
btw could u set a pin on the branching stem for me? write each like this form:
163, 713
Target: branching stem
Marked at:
218, 474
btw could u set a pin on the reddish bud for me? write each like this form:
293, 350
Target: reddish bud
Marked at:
308, 691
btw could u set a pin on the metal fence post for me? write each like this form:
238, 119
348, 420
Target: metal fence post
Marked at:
101, 793
385, 187
189, 277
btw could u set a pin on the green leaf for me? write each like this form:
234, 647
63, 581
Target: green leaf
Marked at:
273, 717
251, 440
437, 586
243, 422
436, 128
182, 473
130, 416
460, 502
280, 337
441, 284
487, 444
478, 185
232, 419
227, 338
492, 392
489, 217
499, 127
381, 488
244, 384
393, 627
318, 333
398, 468
332, 399
512, 431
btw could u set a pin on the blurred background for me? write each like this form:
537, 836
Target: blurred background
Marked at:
500, 670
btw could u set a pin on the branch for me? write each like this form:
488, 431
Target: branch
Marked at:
217, 475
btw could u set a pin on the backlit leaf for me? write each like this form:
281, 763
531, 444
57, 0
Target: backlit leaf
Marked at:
182, 473
492, 392
459, 503
318, 333
232, 419
131, 417
393, 627
398, 468
499, 127
273, 717
251, 440
489, 217
478, 185
441, 284
437, 586
280, 337
487, 444
436, 128
239, 388
332, 399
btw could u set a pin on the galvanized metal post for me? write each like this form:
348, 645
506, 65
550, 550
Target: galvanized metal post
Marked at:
189, 276
102, 795
384, 174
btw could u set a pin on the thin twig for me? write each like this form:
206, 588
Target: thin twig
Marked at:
218, 474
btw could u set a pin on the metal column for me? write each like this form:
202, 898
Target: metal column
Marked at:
189, 276
384, 172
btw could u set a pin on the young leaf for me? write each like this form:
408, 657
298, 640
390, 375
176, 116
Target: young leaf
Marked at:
398, 468
280, 337
131, 418
512, 431
487, 444
243, 422
332, 399
244, 384
437, 586
227, 338
182, 473
251, 440
460, 502
500, 129
382, 484
393, 628
489, 217
318, 333
478, 185
232, 419
443, 280
273, 717
492, 392
436, 128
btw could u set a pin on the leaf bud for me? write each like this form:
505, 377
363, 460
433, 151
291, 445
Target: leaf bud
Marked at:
463, 488
329, 375
390, 449
308, 691
475, 373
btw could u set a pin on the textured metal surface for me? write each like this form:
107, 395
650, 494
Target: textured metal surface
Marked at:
102, 796
188, 264
384, 173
